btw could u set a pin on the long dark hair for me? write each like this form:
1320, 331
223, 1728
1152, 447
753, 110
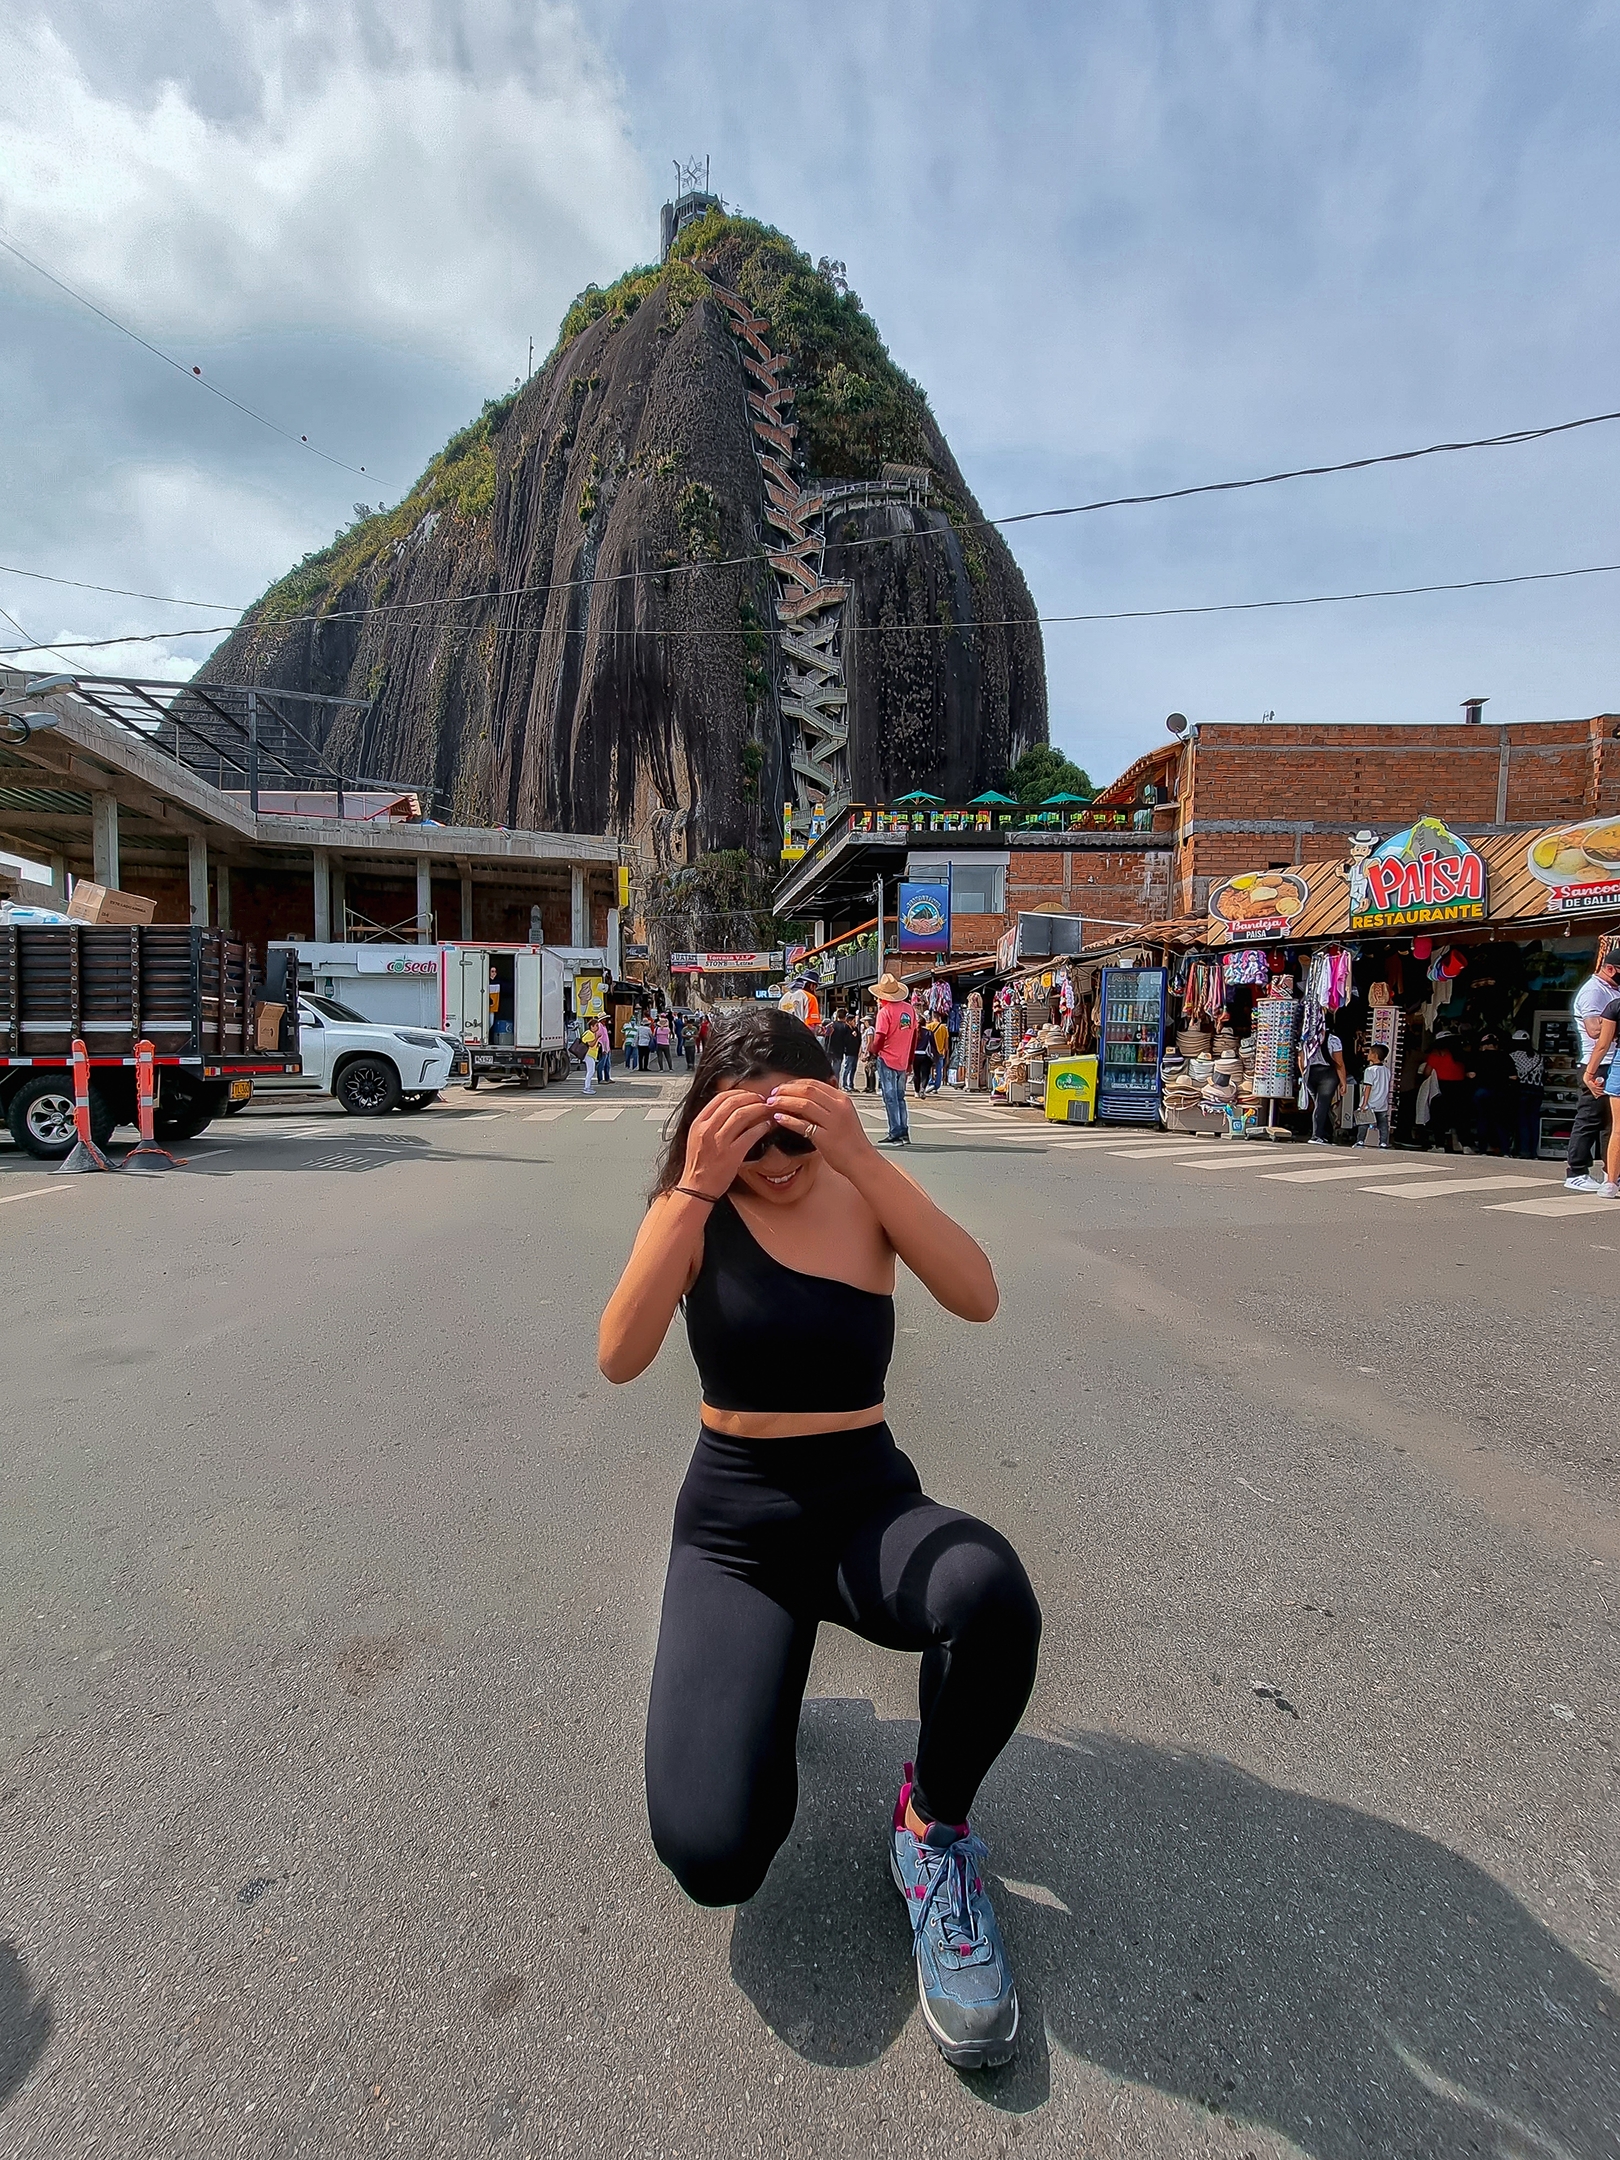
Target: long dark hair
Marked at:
743, 1046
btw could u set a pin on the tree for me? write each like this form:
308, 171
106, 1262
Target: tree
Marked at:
1043, 771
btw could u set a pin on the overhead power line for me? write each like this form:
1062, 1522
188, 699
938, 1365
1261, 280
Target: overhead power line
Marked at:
932, 626
759, 555
192, 374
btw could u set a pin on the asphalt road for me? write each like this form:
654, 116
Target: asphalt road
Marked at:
329, 1576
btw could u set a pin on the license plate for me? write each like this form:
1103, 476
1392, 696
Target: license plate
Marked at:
241, 1091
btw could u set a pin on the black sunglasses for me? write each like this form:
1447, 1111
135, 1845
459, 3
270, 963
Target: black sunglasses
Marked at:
790, 1143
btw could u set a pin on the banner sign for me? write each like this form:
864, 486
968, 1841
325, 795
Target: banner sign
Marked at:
389, 960
1260, 904
725, 963
924, 918
1424, 875
1579, 865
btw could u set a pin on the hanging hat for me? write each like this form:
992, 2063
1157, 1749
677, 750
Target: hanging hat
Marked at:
1422, 947
1454, 963
890, 989
1519, 1035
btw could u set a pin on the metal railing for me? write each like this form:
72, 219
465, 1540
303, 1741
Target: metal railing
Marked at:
235, 737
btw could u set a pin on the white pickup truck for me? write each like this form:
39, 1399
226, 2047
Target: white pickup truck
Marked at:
370, 1068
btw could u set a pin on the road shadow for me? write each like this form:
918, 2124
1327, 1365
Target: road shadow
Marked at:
25, 2021
1179, 1922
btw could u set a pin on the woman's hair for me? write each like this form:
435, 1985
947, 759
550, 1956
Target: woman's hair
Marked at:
741, 1046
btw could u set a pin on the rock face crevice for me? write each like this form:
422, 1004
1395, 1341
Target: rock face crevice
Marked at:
573, 622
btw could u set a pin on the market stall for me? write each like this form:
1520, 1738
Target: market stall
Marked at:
1456, 956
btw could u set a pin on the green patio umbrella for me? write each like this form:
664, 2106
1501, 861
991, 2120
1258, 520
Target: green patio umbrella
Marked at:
919, 795
991, 796
1055, 802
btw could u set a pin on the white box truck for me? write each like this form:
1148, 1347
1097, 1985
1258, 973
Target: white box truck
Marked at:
505, 1002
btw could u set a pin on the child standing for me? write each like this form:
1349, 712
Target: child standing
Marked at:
1375, 1095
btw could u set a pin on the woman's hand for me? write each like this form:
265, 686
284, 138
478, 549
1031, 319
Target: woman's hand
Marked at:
827, 1116
720, 1136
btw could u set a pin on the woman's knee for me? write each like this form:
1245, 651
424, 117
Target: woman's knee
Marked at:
713, 1869
988, 1595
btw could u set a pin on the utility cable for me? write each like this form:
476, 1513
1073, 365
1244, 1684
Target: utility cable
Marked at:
1019, 517
1005, 622
192, 374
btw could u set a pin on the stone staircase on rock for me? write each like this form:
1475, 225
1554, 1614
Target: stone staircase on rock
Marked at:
809, 605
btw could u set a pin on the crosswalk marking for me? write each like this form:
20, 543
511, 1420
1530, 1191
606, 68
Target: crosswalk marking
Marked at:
1560, 1204
657, 1114
604, 1117
545, 1117
1330, 1171
1450, 1185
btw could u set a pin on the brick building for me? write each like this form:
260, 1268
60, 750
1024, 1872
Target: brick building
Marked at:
1263, 796
1226, 797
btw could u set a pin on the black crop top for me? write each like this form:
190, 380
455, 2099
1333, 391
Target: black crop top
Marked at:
766, 1337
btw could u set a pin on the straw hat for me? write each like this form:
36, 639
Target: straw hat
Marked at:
890, 989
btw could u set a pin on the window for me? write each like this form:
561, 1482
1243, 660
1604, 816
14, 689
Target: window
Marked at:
978, 882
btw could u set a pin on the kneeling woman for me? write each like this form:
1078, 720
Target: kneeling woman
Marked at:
778, 1223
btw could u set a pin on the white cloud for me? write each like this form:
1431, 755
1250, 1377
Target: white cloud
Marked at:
387, 177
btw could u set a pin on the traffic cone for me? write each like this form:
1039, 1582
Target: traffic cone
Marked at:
146, 1158
86, 1155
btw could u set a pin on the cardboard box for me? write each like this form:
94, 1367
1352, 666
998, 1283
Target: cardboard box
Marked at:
102, 904
267, 1021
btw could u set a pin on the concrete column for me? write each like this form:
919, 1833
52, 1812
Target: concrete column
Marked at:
323, 897
340, 900
197, 871
580, 920
222, 893
424, 900
59, 891
104, 813
466, 903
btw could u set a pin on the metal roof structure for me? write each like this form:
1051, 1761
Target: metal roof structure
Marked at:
237, 737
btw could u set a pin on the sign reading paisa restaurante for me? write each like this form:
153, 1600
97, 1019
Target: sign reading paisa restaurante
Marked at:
1424, 875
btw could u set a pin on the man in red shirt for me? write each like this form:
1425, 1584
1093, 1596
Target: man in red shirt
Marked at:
893, 1042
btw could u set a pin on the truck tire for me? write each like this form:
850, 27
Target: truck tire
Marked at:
40, 1116
418, 1098
184, 1111
368, 1087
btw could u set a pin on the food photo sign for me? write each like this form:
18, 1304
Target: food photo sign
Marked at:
1259, 904
1579, 865
924, 918
1424, 875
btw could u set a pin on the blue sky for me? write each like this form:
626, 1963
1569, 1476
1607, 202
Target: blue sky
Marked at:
1122, 246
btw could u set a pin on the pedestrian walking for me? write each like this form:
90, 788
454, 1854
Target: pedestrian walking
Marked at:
587, 1043
1490, 1080
1374, 1111
690, 1038
869, 1056
1324, 1077
843, 1047
1444, 1068
940, 1035
1588, 1132
778, 1225
644, 1041
922, 1052
893, 1036
1601, 1076
604, 1052
1530, 1077
661, 1041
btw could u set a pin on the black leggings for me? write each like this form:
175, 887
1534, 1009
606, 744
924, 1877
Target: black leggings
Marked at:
771, 1538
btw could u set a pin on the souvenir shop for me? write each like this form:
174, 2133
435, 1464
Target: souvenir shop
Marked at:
1034, 1018
1459, 962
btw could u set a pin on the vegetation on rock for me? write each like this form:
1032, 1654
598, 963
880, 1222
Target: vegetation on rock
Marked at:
854, 406
1043, 771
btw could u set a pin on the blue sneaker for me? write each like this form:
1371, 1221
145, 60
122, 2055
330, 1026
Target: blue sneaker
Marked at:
963, 1982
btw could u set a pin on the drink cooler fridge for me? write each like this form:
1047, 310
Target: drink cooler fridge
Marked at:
1130, 1043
